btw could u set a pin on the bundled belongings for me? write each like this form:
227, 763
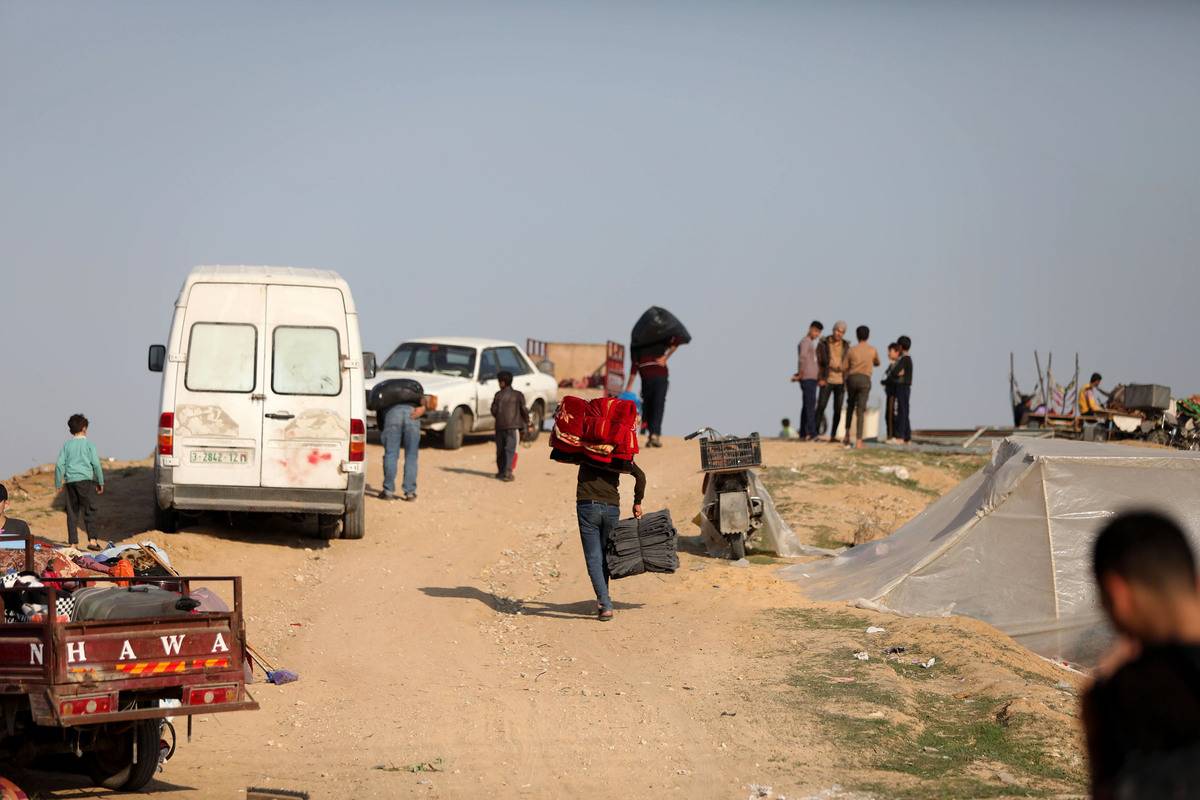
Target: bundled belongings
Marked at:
643, 545
603, 429
395, 392
26, 599
658, 326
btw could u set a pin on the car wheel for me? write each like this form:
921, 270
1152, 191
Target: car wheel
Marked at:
456, 429
537, 415
354, 523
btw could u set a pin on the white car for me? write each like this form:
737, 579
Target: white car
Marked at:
461, 374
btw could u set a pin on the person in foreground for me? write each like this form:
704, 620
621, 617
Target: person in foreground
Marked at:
1142, 715
512, 418
10, 525
598, 504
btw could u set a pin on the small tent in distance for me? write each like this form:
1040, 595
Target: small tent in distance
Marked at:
1011, 545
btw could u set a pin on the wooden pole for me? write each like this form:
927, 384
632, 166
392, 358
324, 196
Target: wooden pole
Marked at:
1041, 384
1012, 379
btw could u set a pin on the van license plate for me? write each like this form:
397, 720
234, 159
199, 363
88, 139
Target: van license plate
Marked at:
214, 456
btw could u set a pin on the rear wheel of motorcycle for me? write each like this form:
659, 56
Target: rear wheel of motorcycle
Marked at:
738, 547
1159, 437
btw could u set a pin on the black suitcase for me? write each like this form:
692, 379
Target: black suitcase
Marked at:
134, 602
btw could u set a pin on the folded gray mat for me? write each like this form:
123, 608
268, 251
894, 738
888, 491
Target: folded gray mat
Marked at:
645, 545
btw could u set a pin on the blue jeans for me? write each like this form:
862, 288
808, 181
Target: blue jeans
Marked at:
400, 430
808, 411
596, 524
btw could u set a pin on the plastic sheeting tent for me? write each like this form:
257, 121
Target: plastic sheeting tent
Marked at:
1011, 545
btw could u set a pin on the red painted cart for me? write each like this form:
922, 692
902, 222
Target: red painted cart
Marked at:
97, 693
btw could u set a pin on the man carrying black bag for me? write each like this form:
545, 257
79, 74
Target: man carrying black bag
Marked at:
655, 338
399, 406
512, 417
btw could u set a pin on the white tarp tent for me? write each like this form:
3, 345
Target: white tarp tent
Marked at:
1011, 545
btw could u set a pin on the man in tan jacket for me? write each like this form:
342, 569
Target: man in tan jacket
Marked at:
832, 355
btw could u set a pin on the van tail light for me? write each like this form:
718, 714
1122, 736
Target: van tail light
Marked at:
166, 433
93, 704
212, 695
358, 439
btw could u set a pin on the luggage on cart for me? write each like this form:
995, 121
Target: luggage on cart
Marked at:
144, 600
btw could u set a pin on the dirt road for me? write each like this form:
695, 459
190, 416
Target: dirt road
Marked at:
453, 653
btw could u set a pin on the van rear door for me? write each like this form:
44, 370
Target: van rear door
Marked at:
306, 422
218, 413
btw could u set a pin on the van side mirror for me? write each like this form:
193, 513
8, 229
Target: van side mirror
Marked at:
369, 365
157, 358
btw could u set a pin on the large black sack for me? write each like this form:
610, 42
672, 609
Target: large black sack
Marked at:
657, 326
394, 392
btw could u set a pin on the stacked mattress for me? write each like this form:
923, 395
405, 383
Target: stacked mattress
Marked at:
603, 430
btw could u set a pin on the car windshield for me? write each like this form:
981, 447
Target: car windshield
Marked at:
440, 358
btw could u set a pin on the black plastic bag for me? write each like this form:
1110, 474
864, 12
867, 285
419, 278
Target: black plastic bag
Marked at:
395, 392
657, 326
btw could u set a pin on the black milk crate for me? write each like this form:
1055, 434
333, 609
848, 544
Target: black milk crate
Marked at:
730, 453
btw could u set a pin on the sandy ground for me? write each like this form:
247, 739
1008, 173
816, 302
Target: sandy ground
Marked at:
453, 653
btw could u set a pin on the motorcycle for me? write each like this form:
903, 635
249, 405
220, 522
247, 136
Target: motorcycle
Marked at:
1177, 430
730, 505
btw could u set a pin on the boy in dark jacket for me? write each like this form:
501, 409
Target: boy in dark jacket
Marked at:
889, 390
902, 377
512, 417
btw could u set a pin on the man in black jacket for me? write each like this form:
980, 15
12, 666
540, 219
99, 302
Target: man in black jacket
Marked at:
512, 417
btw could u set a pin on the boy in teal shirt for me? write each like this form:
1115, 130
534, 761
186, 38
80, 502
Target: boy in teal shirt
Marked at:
78, 470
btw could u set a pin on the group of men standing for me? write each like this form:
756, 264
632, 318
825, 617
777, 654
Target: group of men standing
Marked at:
830, 367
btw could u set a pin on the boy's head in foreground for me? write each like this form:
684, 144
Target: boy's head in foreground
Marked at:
1146, 573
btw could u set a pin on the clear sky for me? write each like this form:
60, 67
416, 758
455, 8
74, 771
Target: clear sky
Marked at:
984, 177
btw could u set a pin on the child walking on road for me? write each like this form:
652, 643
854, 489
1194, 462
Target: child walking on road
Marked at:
78, 471
512, 419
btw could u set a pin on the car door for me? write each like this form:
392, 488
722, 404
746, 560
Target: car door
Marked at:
306, 411
485, 389
218, 412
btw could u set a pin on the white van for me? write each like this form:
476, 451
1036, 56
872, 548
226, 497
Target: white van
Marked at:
262, 398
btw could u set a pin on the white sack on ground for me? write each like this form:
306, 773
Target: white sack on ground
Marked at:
1011, 545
